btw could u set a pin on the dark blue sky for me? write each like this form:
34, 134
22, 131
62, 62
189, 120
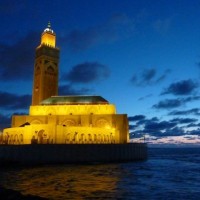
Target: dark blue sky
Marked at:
143, 56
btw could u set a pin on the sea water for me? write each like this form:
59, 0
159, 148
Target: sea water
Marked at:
169, 173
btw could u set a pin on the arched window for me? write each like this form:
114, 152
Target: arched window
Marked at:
21, 139
50, 70
89, 138
11, 140
16, 141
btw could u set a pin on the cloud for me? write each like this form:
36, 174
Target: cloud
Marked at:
163, 129
174, 103
194, 132
194, 111
144, 78
136, 118
145, 97
158, 126
175, 131
87, 72
138, 121
163, 76
17, 59
11, 6
145, 121
69, 90
138, 130
184, 120
11, 101
118, 26
155, 128
80, 40
168, 104
191, 98
136, 134
5, 121
158, 129
192, 125
148, 77
184, 87
131, 127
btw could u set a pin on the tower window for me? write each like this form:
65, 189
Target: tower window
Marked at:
50, 69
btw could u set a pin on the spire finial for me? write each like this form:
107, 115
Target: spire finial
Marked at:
49, 24
48, 29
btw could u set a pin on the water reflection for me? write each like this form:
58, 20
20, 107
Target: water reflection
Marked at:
167, 174
67, 181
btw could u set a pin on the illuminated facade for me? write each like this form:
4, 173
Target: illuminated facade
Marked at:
56, 119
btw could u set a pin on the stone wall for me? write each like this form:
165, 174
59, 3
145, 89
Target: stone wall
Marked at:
72, 153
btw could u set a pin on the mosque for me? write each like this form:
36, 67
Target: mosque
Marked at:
53, 119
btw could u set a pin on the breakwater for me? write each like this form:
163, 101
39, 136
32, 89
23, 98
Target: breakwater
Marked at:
71, 153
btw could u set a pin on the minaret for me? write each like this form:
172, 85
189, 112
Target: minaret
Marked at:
45, 80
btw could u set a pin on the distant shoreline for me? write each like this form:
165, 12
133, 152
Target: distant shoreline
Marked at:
173, 145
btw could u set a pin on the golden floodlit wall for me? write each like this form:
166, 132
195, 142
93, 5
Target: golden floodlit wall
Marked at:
68, 129
72, 109
48, 39
49, 134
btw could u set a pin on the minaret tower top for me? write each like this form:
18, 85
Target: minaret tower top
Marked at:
48, 37
45, 79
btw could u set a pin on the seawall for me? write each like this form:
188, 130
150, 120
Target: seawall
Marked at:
71, 153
